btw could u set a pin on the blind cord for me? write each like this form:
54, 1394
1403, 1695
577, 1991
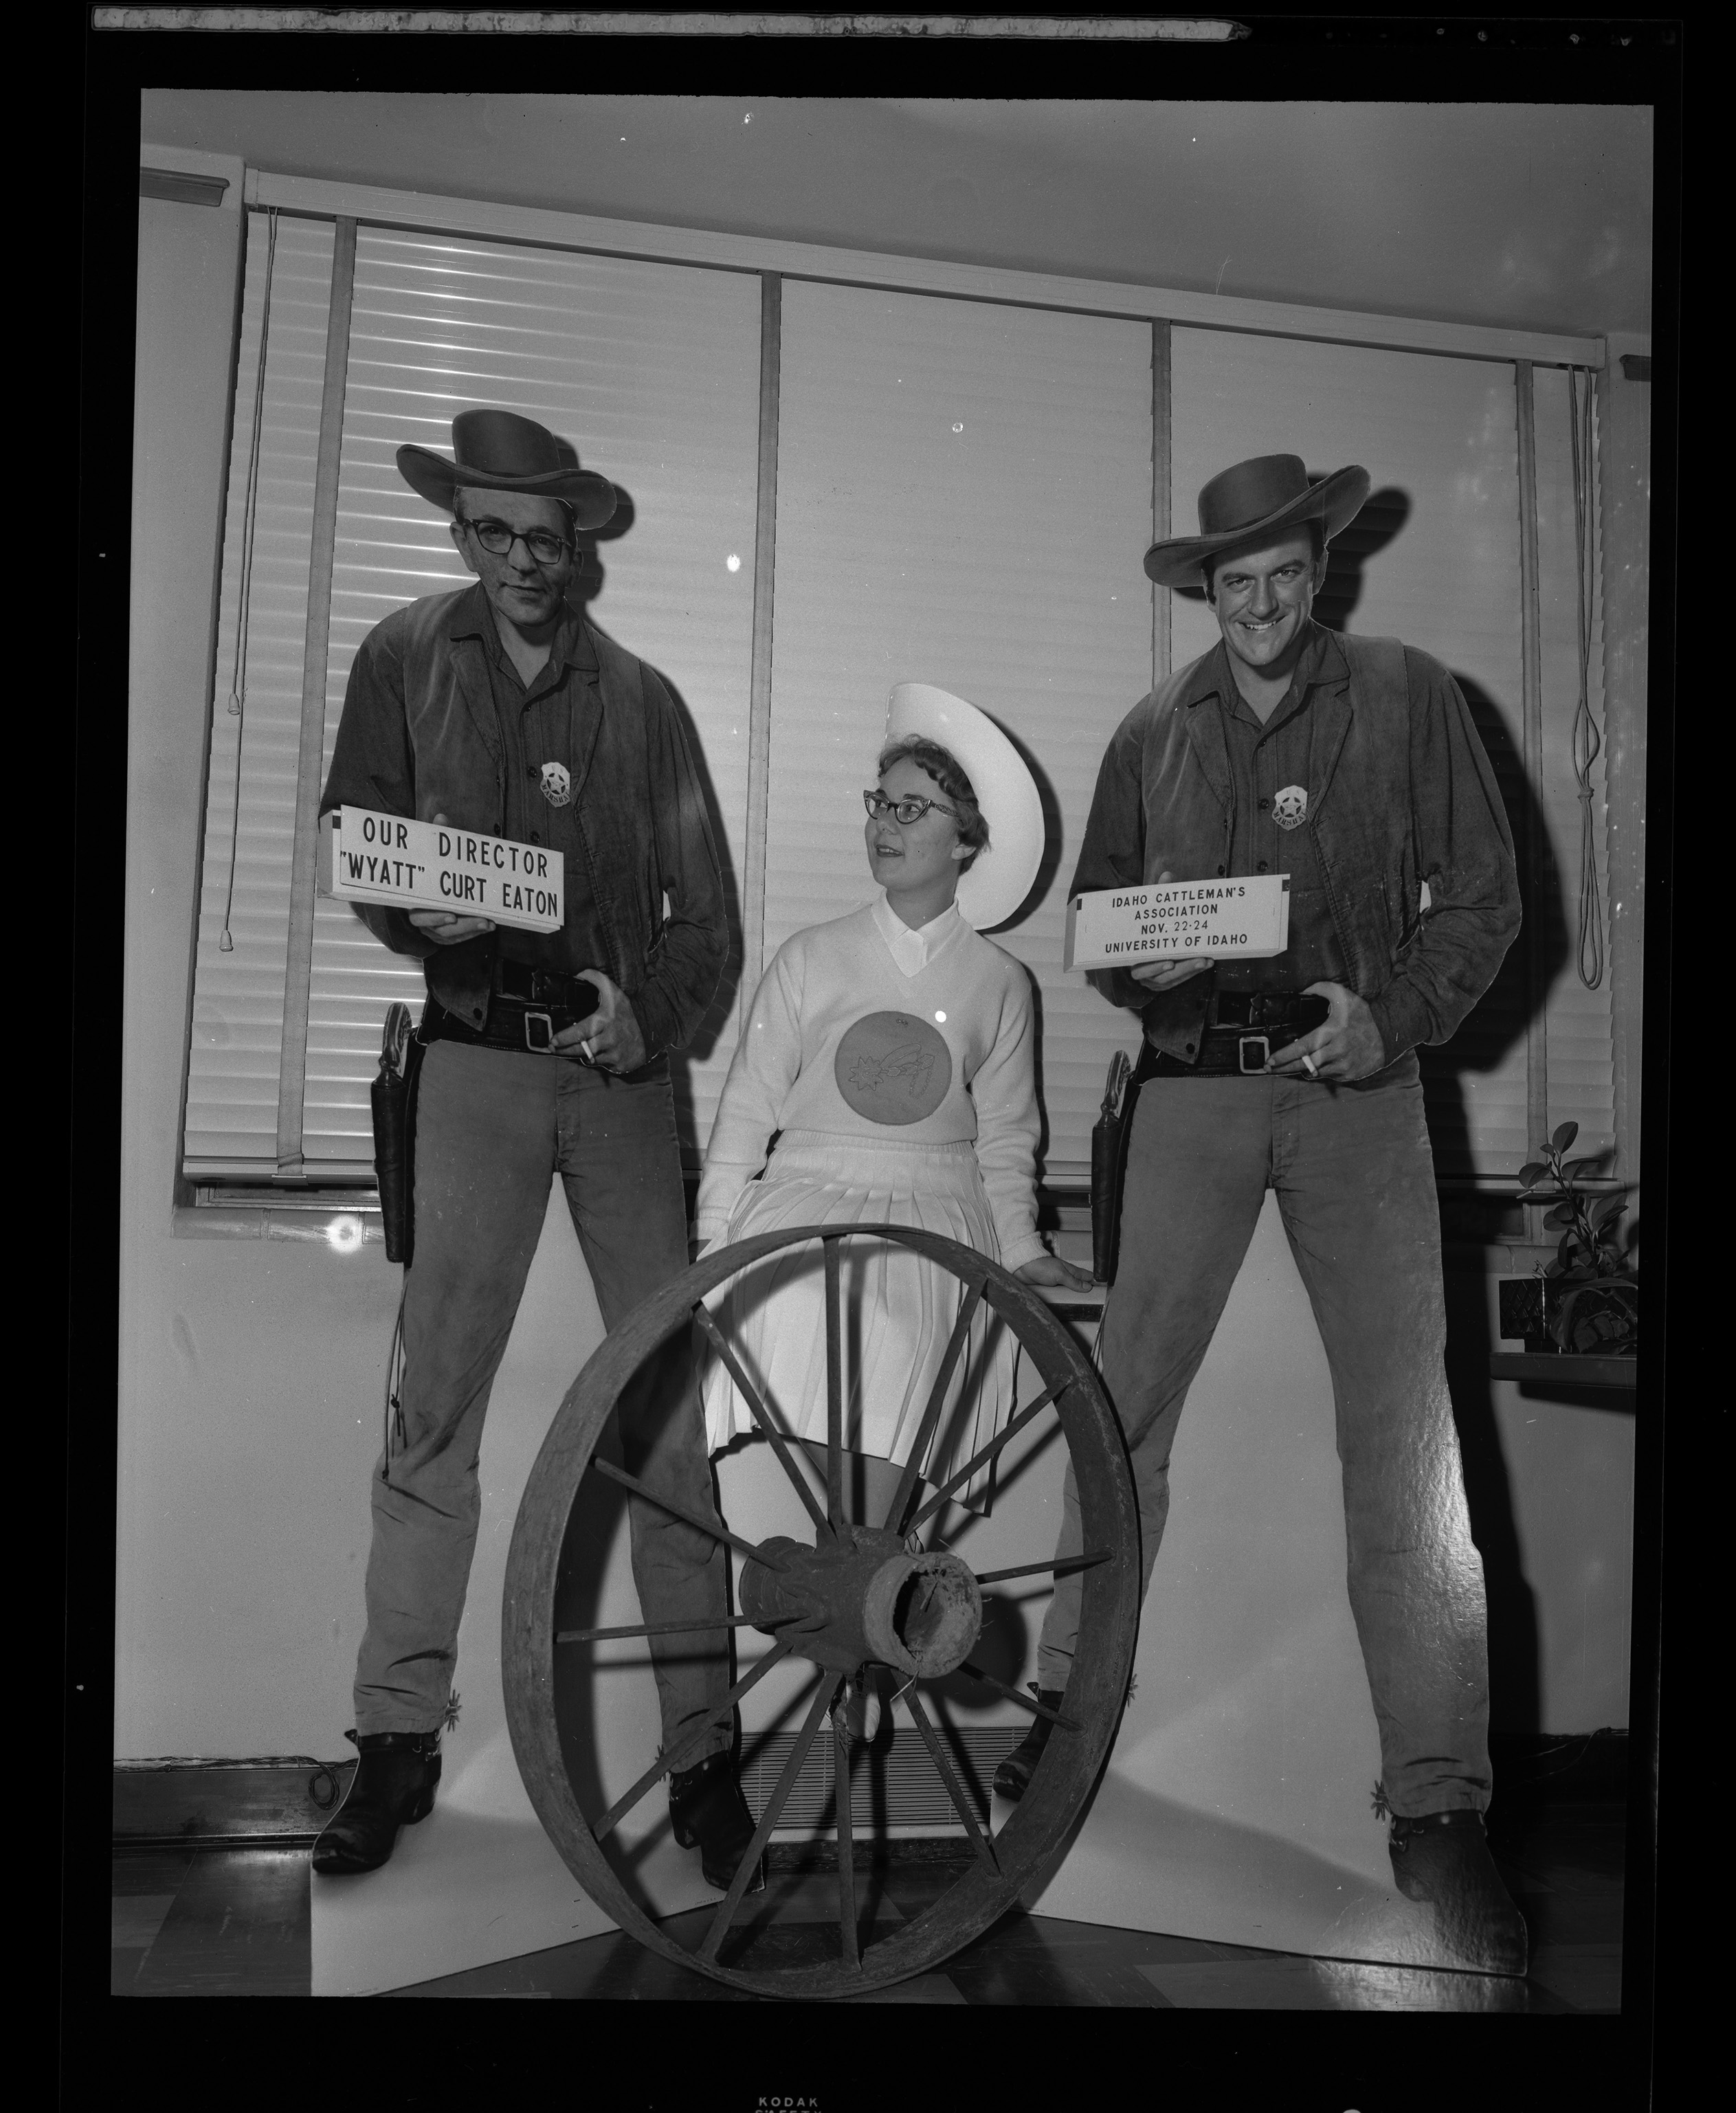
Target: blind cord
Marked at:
1588, 740
249, 510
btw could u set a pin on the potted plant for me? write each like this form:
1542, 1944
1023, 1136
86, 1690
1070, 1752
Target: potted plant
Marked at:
1586, 1302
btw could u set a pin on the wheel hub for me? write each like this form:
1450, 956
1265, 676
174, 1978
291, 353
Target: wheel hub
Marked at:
864, 1595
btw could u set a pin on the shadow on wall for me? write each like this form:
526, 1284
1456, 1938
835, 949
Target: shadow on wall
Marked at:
1049, 873
589, 578
1485, 1040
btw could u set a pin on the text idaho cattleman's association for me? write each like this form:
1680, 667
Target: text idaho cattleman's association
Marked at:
367, 857
1238, 917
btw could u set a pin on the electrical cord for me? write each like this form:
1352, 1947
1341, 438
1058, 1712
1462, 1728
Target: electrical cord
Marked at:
1588, 740
250, 511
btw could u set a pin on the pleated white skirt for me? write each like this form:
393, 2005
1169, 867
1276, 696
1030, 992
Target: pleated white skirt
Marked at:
897, 1308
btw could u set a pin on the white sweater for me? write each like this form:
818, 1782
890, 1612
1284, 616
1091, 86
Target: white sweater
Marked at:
823, 981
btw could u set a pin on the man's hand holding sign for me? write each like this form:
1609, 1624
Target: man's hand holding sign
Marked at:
1348, 1047
446, 927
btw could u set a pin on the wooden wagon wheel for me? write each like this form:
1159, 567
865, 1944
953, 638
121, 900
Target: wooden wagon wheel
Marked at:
838, 1596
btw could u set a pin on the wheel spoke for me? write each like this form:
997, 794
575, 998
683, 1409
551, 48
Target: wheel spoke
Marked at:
1060, 1564
680, 1511
846, 1840
775, 1804
668, 1763
761, 1412
944, 1767
656, 1629
834, 1392
981, 1459
931, 1414
1024, 1701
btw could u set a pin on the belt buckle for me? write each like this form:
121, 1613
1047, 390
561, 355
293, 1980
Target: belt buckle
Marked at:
539, 1019
1241, 1052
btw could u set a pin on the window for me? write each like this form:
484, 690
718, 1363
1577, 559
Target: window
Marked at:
654, 372
964, 490
1435, 559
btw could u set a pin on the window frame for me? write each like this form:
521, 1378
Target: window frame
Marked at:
286, 1204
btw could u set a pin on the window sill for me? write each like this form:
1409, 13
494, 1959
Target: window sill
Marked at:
342, 1221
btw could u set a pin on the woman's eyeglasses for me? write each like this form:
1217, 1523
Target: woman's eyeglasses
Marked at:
497, 539
907, 811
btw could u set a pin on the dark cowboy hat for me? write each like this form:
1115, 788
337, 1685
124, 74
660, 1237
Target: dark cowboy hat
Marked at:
1253, 499
500, 451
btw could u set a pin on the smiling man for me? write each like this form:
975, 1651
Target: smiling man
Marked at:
499, 708
1353, 766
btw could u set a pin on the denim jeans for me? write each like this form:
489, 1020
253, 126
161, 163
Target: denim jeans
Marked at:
492, 1128
1354, 1179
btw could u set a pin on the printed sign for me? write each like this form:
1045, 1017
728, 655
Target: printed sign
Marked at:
366, 857
1245, 918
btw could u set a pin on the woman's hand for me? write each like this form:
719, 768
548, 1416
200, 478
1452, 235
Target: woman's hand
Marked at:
1165, 975
1050, 1269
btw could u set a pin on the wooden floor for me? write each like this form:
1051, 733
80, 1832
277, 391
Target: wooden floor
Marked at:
235, 1921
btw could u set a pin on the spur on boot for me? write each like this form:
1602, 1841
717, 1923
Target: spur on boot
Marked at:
393, 1787
707, 1810
1443, 1859
859, 1707
1012, 1778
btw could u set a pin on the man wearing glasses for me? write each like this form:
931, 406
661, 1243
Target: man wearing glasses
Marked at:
499, 708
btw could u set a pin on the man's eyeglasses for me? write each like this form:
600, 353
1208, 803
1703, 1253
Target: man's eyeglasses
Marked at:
907, 811
497, 539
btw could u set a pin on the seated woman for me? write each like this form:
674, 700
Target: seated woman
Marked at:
889, 1053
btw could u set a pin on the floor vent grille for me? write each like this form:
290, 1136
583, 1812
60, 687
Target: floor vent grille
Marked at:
894, 1783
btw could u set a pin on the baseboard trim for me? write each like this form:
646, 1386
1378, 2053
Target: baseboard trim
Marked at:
283, 1803
217, 1804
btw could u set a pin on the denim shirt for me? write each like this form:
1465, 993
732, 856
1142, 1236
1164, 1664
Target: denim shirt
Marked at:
419, 736
1400, 796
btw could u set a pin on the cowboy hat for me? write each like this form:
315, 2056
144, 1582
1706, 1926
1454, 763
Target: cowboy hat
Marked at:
1001, 874
500, 451
1252, 500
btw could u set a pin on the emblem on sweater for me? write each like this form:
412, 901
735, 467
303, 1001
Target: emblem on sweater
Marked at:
557, 785
1290, 806
892, 1068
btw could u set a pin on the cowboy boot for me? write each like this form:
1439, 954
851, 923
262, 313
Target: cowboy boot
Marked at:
393, 1787
1443, 1859
706, 1808
1012, 1778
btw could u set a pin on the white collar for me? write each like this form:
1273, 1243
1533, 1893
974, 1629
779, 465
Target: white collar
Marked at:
914, 949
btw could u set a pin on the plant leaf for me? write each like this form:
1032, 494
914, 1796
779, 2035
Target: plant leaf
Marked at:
1565, 1136
1607, 1211
1561, 1214
1532, 1173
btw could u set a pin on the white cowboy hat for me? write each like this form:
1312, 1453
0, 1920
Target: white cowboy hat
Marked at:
1000, 877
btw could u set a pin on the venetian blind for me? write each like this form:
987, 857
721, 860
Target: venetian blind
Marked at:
1434, 559
652, 372
964, 497
236, 1042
